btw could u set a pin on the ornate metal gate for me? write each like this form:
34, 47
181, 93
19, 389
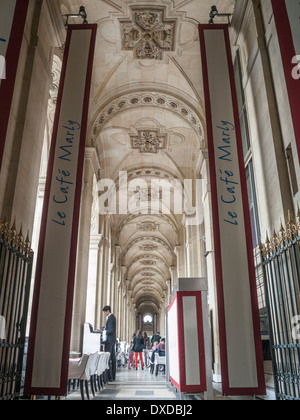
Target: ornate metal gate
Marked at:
16, 259
281, 262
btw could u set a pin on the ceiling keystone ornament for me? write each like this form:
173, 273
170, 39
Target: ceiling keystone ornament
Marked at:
148, 262
148, 226
144, 195
148, 248
148, 141
148, 34
148, 274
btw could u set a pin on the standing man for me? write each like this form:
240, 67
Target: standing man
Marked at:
110, 343
156, 337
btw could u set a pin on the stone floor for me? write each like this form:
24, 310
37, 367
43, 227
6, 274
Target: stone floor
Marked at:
133, 385
141, 385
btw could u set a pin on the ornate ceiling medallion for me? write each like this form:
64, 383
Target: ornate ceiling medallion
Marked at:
148, 262
148, 248
148, 34
148, 141
148, 226
148, 274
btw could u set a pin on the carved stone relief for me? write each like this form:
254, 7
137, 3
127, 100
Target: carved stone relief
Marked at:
148, 141
143, 195
148, 34
148, 248
148, 262
148, 274
148, 227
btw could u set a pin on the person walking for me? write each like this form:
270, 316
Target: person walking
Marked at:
138, 346
130, 355
110, 342
147, 347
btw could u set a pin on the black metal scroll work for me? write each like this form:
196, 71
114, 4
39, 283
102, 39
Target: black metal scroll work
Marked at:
281, 262
16, 259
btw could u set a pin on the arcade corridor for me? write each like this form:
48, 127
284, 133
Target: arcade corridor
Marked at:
149, 163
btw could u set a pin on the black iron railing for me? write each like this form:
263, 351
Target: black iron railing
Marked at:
281, 262
16, 259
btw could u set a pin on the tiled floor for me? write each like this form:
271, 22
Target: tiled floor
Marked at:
141, 385
133, 385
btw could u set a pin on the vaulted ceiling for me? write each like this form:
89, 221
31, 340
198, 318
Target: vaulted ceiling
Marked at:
147, 119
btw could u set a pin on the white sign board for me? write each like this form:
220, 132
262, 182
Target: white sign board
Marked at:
241, 350
53, 297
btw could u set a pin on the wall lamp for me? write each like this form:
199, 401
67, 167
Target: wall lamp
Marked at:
82, 13
214, 13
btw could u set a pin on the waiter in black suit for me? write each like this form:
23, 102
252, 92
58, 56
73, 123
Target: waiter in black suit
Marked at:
110, 343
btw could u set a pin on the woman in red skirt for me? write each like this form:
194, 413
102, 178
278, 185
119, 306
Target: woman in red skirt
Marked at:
138, 347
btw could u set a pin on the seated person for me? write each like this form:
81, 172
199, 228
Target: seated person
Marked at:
160, 349
155, 344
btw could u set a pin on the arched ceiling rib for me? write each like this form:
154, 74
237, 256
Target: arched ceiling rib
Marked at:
148, 99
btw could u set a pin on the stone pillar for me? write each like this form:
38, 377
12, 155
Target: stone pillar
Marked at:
110, 284
123, 328
200, 242
169, 291
174, 276
140, 322
118, 311
122, 275
116, 277
121, 310
99, 288
106, 265
156, 322
179, 251
25, 135
132, 321
195, 251
128, 331
188, 251
268, 154
92, 286
164, 305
